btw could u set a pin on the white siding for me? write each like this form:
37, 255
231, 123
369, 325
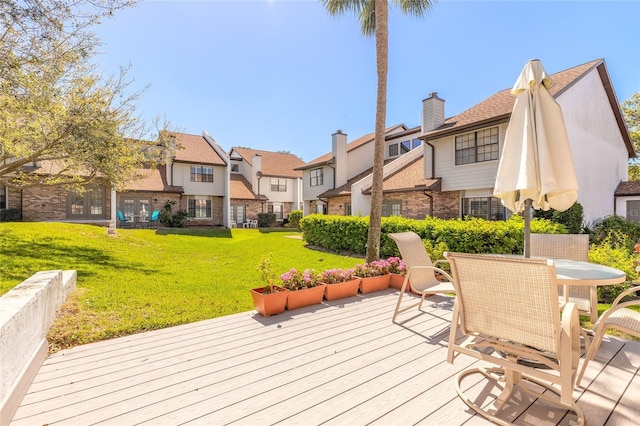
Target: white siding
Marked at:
599, 153
312, 192
465, 176
182, 177
287, 196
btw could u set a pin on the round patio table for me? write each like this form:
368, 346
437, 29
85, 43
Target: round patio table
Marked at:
574, 272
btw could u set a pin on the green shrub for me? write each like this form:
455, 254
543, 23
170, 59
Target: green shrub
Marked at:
572, 218
613, 252
10, 215
615, 230
349, 233
294, 218
168, 218
265, 220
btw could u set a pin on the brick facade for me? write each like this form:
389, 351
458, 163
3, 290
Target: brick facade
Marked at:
42, 202
415, 204
251, 207
337, 205
14, 198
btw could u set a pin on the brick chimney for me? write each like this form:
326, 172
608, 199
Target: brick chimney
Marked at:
339, 151
432, 112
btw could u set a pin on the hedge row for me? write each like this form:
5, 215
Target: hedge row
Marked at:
349, 233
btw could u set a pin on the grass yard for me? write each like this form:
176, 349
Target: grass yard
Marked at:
144, 279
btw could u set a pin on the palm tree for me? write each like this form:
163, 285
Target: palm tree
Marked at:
373, 16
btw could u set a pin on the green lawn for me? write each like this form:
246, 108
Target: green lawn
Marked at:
145, 279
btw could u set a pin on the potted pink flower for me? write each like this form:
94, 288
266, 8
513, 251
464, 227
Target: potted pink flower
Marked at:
340, 283
304, 288
397, 272
375, 276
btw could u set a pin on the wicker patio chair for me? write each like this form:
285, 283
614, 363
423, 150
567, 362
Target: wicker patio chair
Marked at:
508, 313
618, 317
420, 270
573, 247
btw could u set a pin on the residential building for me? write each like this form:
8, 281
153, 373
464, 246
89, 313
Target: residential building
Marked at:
264, 182
463, 151
453, 174
195, 179
339, 182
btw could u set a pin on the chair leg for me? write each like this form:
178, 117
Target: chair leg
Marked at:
593, 348
402, 290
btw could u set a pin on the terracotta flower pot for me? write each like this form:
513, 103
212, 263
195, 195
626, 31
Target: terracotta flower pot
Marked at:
269, 303
305, 297
342, 290
396, 281
371, 284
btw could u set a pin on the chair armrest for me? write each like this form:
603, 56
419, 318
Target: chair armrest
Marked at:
570, 335
625, 293
445, 273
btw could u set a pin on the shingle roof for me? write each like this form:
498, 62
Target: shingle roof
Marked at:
241, 189
409, 178
628, 188
497, 108
275, 164
195, 149
153, 179
369, 137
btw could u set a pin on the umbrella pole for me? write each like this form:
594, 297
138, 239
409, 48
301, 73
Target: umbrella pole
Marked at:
527, 228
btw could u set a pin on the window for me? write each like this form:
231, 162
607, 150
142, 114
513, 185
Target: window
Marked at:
277, 209
488, 208
234, 168
391, 208
199, 208
316, 177
633, 211
403, 147
3, 197
201, 174
477, 146
88, 204
278, 185
237, 213
347, 209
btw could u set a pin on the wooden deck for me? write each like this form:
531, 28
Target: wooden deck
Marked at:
340, 363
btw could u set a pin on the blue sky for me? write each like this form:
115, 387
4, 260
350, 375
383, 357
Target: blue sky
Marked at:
284, 75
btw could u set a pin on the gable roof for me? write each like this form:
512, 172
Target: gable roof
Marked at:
152, 180
240, 188
628, 188
497, 108
276, 164
362, 140
409, 178
195, 149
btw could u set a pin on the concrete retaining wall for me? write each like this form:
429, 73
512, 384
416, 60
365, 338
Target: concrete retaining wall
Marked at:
26, 313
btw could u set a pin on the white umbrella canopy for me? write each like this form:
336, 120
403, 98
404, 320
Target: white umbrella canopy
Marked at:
536, 166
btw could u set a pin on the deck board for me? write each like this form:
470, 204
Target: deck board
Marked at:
342, 362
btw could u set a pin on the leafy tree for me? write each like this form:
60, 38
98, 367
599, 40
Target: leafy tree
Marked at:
631, 111
373, 16
56, 110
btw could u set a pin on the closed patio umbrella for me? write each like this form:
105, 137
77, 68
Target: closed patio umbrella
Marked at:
536, 166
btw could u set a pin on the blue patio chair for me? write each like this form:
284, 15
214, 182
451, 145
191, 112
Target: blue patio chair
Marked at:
153, 219
124, 222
